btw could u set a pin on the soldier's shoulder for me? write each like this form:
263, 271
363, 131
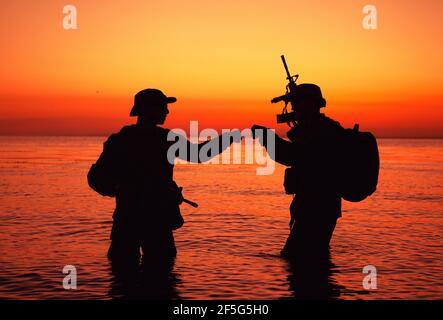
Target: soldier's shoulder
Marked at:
163, 130
127, 130
330, 123
120, 136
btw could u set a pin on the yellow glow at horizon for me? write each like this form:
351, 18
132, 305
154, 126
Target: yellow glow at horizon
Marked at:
224, 49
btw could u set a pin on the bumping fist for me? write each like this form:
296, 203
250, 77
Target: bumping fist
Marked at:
262, 133
261, 130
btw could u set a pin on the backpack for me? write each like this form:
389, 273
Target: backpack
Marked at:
360, 164
102, 174
99, 180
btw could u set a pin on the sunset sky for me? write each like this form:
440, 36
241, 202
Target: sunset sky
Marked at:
221, 59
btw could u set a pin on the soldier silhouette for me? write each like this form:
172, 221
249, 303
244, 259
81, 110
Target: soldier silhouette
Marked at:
312, 155
134, 168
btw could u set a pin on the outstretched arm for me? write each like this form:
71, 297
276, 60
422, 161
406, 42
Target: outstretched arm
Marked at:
205, 151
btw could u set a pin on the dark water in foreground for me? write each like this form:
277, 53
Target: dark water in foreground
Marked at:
229, 246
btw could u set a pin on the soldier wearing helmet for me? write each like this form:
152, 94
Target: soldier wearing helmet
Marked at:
135, 169
311, 155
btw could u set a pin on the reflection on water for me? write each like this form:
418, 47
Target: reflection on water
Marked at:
150, 281
229, 246
313, 279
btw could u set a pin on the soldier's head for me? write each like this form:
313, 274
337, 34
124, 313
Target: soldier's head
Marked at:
151, 106
307, 101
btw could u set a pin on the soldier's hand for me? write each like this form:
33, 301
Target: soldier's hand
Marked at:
260, 132
180, 197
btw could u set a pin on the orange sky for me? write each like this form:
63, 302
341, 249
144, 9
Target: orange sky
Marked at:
221, 59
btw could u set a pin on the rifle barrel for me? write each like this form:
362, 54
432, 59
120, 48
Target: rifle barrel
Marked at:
286, 67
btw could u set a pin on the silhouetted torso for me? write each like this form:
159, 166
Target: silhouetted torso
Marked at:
136, 158
313, 152
135, 169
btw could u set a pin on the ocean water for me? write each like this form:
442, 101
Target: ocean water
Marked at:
229, 246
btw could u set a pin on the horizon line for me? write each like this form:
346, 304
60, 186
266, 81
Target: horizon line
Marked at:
106, 135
